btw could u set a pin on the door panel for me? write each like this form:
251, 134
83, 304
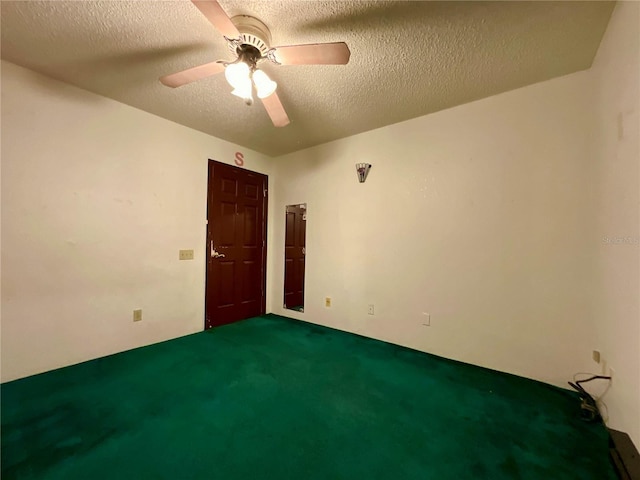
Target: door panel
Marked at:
236, 233
249, 271
226, 271
251, 233
251, 191
226, 224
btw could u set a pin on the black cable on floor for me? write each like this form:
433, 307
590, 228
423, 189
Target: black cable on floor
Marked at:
588, 407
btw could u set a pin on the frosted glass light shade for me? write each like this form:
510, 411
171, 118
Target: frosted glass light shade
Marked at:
244, 90
264, 85
237, 74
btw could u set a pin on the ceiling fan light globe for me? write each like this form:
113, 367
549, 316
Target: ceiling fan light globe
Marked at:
244, 90
264, 85
237, 74
268, 92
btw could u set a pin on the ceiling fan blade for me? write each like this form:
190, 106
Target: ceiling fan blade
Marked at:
337, 53
218, 17
192, 74
274, 108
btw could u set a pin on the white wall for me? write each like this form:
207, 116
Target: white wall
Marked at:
492, 217
616, 71
97, 199
476, 215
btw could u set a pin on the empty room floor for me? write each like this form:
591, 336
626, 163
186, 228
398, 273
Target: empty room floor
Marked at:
275, 398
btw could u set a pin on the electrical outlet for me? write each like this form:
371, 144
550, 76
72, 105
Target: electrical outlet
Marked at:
596, 356
426, 319
327, 302
137, 315
370, 309
186, 255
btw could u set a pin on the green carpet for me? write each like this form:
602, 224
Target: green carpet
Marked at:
272, 398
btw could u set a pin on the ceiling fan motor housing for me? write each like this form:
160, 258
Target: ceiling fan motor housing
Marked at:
252, 32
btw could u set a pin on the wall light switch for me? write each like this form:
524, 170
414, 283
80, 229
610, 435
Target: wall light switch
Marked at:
137, 315
426, 319
596, 356
186, 255
327, 302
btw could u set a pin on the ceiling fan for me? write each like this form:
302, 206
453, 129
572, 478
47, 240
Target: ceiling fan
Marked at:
249, 39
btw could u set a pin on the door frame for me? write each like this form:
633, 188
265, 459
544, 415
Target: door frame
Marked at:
265, 209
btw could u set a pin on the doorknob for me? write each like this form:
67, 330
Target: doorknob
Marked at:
215, 254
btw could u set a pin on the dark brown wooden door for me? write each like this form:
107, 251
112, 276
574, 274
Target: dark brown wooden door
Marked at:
236, 244
294, 256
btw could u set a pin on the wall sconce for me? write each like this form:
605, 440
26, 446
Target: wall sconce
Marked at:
362, 169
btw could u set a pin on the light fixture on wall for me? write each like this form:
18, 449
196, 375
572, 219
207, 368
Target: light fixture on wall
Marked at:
362, 169
243, 74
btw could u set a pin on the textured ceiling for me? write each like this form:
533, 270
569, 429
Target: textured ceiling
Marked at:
407, 58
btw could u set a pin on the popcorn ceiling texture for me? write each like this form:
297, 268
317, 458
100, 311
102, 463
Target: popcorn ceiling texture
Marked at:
407, 58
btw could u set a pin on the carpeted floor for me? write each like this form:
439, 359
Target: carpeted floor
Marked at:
272, 398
